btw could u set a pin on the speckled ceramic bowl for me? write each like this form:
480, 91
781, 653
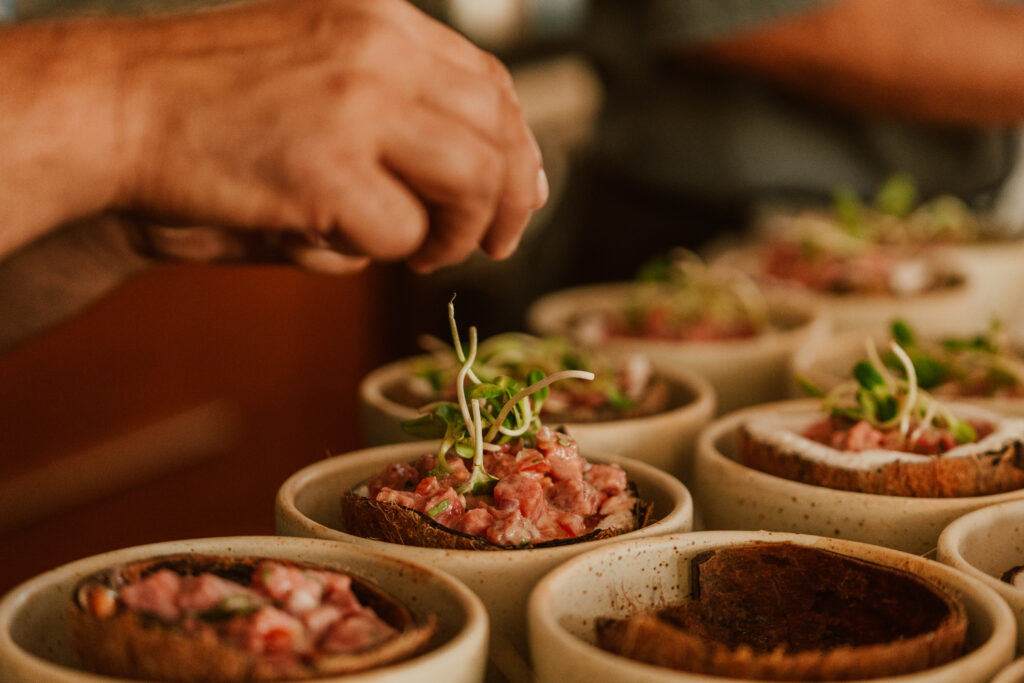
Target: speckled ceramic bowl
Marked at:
664, 440
35, 643
828, 363
956, 306
634, 575
733, 496
743, 372
986, 543
308, 504
1014, 673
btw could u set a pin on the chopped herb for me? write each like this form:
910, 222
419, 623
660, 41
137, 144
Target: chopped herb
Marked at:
439, 508
897, 196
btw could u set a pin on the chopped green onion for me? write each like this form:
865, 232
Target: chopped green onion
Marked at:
439, 508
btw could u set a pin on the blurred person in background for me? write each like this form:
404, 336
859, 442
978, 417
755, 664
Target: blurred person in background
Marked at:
713, 107
323, 133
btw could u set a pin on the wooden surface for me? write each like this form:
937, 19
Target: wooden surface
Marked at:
176, 407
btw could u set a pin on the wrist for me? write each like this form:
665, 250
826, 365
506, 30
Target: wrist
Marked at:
59, 123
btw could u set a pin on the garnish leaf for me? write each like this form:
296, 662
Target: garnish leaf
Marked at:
428, 426
487, 391
903, 334
809, 387
848, 207
657, 269
897, 196
867, 376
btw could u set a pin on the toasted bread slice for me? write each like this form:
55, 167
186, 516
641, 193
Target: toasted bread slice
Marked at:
780, 611
995, 464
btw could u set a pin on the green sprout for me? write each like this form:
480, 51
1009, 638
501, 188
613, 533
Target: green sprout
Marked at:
848, 208
897, 196
885, 401
503, 405
688, 290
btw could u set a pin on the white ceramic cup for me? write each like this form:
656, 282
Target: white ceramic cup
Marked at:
665, 440
731, 495
621, 578
308, 504
958, 306
35, 645
743, 372
985, 543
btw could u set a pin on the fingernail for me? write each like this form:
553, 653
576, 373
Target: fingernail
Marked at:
542, 187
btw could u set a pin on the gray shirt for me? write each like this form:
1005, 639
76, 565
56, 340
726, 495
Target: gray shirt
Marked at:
733, 138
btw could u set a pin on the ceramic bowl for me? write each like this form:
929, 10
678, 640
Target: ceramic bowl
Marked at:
828, 364
733, 496
743, 372
624, 577
953, 307
35, 644
986, 543
1014, 673
664, 440
994, 269
308, 504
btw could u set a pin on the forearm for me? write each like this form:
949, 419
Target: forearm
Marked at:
60, 138
952, 61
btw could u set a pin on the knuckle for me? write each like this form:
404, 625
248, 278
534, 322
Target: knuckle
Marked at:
485, 173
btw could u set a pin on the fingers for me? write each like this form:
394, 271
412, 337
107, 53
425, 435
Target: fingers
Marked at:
479, 101
457, 171
327, 261
373, 213
215, 245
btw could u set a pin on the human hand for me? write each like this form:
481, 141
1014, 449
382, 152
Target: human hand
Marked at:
202, 244
363, 126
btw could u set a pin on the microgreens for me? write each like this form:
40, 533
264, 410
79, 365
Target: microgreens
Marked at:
986, 358
886, 401
523, 358
507, 408
896, 214
688, 290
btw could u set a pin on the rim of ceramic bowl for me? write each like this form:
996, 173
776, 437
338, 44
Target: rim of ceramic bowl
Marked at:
709, 451
291, 489
959, 287
373, 385
549, 314
474, 630
952, 538
1013, 673
1002, 639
